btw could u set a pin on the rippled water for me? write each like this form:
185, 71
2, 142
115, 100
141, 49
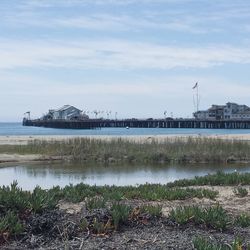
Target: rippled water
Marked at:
49, 175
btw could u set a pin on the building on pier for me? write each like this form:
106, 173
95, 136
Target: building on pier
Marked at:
230, 111
66, 112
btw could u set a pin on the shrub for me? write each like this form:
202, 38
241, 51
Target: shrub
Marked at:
154, 211
41, 199
214, 217
243, 220
120, 214
241, 192
95, 202
220, 178
201, 243
13, 198
98, 227
10, 225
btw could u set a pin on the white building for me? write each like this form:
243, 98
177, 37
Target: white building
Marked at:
230, 111
67, 112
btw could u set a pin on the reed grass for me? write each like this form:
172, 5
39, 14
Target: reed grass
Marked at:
188, 150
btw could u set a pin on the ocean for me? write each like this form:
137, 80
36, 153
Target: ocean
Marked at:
16, 129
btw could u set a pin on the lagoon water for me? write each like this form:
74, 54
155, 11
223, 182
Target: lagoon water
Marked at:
48, 175
7, 129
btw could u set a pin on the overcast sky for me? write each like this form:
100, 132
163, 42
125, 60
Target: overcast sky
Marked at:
138, 58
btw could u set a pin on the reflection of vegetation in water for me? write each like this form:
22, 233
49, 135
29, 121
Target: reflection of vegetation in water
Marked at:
120, 150
56, 170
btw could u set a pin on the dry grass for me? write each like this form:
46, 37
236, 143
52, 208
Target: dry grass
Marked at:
188, 150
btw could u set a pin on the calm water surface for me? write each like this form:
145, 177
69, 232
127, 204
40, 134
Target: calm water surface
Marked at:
17, 129
47, 176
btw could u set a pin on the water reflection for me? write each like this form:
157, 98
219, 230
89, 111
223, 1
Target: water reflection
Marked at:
49, 175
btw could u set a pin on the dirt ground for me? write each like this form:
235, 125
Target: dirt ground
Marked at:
59, 229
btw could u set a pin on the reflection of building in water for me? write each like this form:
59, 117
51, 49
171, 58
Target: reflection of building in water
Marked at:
230, 111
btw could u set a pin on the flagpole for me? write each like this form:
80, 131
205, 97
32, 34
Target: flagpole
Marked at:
197, 97
196, 105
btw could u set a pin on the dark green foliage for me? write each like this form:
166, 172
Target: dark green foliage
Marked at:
95, 203
201, 243
241, 192
78, 192
98, 227
147, 192
83, 224
243, 220
153, 210
13, 198
214, 217
10, 224
41, 199
220, 178
120, 214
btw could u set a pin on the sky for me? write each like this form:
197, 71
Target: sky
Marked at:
135, 58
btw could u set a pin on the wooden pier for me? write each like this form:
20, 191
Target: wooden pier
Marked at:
136, 123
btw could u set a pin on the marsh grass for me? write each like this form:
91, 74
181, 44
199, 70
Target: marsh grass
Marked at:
183, 150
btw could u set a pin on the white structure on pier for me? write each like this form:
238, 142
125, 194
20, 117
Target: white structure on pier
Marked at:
230, 111
66, 112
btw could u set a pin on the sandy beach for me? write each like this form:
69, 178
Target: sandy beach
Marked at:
24, 139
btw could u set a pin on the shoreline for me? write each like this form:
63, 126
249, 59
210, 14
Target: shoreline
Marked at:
9, 141
25, 139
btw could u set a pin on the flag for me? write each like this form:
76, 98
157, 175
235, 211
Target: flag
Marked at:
196, 85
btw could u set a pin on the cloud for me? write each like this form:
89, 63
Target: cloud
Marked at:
165, 15
115, 55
